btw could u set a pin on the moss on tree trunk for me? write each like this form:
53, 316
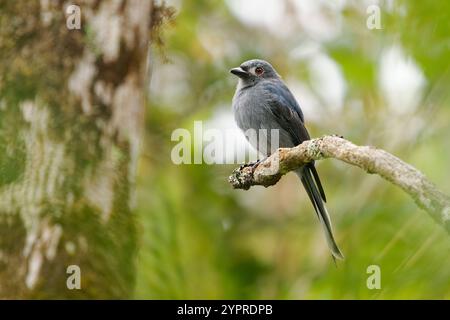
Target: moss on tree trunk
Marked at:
71, 111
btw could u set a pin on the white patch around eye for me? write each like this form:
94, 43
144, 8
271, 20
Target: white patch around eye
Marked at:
252, 71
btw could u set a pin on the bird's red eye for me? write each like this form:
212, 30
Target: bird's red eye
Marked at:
259, 71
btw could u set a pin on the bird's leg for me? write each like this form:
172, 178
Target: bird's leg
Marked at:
253, 164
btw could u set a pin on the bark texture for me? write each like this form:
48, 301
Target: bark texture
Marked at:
71, 112
370, 159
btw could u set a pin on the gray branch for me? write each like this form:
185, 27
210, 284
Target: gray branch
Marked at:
368, 158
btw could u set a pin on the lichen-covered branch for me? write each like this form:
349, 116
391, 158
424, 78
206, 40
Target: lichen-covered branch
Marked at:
368, 158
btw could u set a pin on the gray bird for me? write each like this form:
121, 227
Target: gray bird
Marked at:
263, 101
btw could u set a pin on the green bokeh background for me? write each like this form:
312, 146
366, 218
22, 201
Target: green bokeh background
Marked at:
199, 238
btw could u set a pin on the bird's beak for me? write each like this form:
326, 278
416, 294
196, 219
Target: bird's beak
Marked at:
239, 72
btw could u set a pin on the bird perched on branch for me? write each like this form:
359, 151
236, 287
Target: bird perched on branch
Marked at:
263, 102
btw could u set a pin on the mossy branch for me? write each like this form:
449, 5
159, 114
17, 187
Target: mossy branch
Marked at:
368, 158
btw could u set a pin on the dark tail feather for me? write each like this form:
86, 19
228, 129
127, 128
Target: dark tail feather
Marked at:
317, 180
317, 198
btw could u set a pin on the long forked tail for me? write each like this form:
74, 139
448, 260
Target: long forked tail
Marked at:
310, 179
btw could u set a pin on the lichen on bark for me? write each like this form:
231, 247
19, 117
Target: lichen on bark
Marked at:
71, 110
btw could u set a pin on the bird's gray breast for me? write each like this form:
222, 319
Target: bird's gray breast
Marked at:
253, 115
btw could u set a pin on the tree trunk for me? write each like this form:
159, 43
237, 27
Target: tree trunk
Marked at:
71, 112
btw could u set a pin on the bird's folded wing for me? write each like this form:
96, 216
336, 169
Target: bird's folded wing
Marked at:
287, 112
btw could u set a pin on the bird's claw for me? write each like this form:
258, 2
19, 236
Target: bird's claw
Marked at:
253, 165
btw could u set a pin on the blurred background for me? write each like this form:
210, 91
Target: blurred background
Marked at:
388, 87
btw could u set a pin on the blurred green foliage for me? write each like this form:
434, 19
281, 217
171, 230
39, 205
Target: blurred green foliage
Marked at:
201, 239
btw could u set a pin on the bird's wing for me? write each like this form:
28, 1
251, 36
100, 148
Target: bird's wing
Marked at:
285, 109
289, 116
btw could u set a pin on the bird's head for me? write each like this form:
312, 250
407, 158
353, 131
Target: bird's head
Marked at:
252, 71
